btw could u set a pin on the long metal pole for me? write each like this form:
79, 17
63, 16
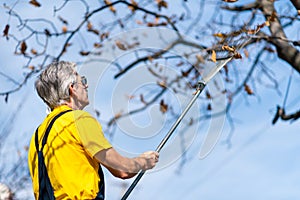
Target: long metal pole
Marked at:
165, 139
200, 87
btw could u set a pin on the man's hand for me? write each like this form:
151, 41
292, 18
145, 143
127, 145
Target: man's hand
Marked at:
150, 159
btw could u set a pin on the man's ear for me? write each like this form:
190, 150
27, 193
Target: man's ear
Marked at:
71, 89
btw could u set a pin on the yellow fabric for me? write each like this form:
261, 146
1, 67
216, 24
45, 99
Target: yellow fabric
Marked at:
72, 142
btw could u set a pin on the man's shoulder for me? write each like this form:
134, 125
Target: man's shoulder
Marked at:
81, 114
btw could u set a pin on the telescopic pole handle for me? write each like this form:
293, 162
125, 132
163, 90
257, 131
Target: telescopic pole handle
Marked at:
200, 87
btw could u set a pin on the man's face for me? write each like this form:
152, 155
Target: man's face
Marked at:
81, 92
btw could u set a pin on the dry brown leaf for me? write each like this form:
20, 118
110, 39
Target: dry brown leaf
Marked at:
47, 32
118, 115
33, 51
112, 9
214, 56
237, 55
162, 84
150, 58
185, 73
120, 45
139, 22
94, 31
35, 3
23, 47
107, 2
130, 46
269, 49
89, 26
260, 26
31, 67
163, 24
248, 89
163, 107
84, 53
162, 3
66, 46
273, 16
230, 1
150, 24
228, 48
104, 36
251, 31
246, 53
208, 95
132, 7
220, 35
209, 107
5, 31
97, 45
64, 29
91, 29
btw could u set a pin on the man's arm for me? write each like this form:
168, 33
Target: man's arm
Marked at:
123, 167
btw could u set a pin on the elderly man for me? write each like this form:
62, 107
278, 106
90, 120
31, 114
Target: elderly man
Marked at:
68, 148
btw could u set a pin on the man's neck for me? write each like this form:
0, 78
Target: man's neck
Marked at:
75, 105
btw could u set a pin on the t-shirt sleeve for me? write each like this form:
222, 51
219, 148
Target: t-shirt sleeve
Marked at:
90, 133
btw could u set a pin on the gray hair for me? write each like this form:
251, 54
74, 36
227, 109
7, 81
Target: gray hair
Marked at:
53, 83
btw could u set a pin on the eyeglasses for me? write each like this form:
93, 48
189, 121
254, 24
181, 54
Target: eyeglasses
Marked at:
84, 80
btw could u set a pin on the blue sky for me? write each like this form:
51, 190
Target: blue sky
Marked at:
262, 163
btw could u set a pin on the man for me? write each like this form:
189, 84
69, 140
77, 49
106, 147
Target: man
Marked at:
74, 145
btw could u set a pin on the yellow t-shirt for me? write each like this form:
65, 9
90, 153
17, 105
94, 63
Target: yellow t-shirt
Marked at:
74, 139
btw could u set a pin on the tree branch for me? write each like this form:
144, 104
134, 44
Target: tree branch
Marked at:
247, 7
296, 3
281, 114
89, 15
285, 51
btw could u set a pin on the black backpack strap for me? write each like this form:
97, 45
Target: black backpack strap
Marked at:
47, 131
45, 188
101, 185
